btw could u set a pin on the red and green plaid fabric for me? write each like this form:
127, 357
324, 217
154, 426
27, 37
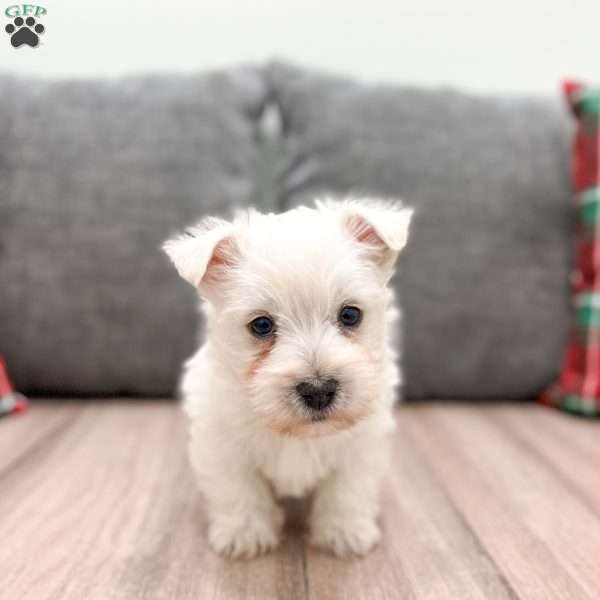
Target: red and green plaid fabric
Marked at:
578, 388
10, 401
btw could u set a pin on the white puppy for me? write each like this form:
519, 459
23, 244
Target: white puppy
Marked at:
292, 391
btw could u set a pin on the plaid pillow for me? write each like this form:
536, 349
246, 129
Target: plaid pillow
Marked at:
578, 388
10, 401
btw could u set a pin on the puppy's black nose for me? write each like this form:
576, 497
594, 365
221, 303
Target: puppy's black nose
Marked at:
317, 395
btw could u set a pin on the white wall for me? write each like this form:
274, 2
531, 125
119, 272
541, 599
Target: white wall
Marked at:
507, 46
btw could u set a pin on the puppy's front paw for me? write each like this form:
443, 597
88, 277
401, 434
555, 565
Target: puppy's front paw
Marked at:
344, 536
245, 536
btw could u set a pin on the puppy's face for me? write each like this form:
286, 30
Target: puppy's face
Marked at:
297, 307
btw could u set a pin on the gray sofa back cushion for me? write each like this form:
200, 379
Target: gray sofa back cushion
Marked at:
484, 281
94, 175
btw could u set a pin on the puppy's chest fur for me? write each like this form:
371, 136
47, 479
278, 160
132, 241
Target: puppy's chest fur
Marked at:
294, 467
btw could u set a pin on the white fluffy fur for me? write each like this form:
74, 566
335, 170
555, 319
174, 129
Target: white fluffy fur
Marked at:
251, 439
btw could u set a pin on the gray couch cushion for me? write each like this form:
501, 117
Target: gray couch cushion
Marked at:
93, 176
484, 281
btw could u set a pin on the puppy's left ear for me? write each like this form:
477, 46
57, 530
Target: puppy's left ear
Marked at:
204, 253
380, 226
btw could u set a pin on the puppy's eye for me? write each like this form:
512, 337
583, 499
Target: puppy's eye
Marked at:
350, 316
261, 326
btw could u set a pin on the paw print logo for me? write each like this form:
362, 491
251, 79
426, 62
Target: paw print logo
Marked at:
24, 32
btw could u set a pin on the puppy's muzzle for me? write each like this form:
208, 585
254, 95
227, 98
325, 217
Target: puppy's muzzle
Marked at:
317, 394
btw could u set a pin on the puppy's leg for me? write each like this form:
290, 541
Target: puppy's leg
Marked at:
244, 518
346, 506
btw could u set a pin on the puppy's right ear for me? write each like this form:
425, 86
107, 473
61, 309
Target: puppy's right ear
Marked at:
203, 253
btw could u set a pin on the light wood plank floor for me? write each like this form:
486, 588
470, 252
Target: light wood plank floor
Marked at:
484, 501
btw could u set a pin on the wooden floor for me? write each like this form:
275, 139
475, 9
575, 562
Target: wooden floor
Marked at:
484, 501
